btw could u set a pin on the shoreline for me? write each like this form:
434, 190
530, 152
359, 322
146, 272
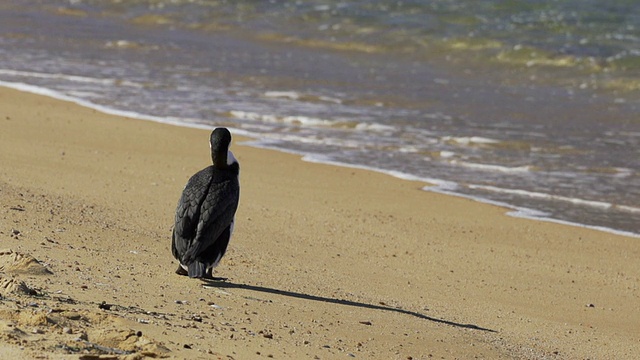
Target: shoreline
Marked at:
326, 261
432, 185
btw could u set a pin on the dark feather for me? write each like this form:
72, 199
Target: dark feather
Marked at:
204, 216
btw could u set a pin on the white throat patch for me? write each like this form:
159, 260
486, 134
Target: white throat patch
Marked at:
230, 158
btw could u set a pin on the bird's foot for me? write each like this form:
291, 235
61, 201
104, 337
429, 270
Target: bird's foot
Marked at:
181, 271
209, 276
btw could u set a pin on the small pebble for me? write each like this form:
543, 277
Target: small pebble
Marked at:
67, 330
72, 315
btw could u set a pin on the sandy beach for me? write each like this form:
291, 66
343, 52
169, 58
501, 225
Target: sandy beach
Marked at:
325, 262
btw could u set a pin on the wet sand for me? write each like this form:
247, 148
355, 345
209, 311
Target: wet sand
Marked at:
326, 262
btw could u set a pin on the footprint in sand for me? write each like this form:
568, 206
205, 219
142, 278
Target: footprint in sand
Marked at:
12, 262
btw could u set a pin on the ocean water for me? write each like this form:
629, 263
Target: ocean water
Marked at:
530, 104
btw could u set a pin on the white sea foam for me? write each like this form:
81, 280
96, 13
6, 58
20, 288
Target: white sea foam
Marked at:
494, 168
273, 144
103, 109
246, 115
631, 209
330, 99
374, 127
439, 183
409, 149
73, 78
182, 122
623, 172
290, 120
544, 196
469, 140
83, 94
308, 121
278, 138
300, 120
293, 95
527, 213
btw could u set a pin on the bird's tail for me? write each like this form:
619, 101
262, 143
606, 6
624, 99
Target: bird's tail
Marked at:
196, 269
192, 252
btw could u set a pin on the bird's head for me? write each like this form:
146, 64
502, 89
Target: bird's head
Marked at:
219, 142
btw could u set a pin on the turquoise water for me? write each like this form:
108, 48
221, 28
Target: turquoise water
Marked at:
533, 104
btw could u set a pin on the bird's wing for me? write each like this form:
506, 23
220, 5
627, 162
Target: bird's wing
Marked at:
216, 214
188, 211
210, 257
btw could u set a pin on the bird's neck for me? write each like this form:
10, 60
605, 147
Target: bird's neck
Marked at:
223, 159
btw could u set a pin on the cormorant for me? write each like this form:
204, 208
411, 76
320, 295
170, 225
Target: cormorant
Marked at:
206, 211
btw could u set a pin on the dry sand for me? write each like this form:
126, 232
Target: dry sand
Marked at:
326, 262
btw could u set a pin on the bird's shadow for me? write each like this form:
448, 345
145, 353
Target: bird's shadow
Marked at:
223, 283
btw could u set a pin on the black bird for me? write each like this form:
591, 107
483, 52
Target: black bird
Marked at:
206, 211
